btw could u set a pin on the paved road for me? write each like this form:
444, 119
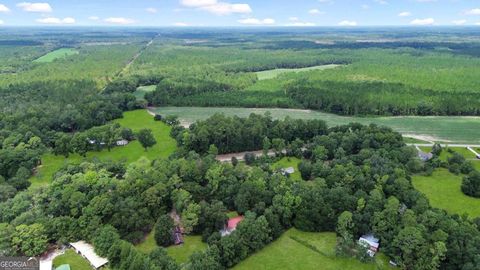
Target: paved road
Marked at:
445, 145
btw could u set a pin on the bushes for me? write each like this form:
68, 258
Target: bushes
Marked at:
471, 184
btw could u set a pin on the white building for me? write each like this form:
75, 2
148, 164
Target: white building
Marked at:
87, 251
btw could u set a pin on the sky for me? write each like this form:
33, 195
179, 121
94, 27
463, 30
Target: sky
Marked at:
221, 13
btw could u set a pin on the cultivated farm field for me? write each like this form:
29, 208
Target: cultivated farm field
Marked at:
442, 128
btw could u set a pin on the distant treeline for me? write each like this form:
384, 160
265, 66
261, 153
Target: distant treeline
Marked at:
380, 98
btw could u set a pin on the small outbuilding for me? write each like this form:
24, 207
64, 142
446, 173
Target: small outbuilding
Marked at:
370, 242
288, 171
88, 252
122, 142
231, 225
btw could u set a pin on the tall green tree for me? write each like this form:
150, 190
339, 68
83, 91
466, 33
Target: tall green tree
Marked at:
146, 138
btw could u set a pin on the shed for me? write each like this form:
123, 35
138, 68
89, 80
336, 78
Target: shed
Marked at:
289, 170
122, 142
371, 242
87, 251
231, 225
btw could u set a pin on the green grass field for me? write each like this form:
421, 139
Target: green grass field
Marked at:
289, 162
443, 189
274, 73
76, 261
441, 128
142, 90
180, 253
288, 253
135, 120
57, 54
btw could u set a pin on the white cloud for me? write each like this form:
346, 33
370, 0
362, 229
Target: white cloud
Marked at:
478, 23
151, 10
255, 21
4, 8
1, 22
294, 19
325, 1
301, 24
180, 24
198, 3
218, 8
427, 21
119, 20
347, 23
94, 18
459, 22
405, 14
35, 7
315, 12
364, 6
381, 2
475, 11
222, 8
53, 20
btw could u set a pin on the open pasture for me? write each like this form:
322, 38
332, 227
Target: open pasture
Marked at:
443, 189
441, 128
57, 54
290, 252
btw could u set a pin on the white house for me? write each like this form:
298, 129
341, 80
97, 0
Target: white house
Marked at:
371, 243
87, 251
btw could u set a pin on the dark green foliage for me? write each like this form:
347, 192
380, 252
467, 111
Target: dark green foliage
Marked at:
104, 239
233, 134
164, 231
471, 184
146, 138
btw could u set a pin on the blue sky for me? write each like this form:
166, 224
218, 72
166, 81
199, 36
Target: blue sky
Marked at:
240, 12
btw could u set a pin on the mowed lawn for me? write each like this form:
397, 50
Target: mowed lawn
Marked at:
180, 253
76, 261
288, 253
443, 189
455, 129
274, 73
57, 54
135, 120
287, 162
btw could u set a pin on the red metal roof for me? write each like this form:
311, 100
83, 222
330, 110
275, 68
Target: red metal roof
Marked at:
233, 222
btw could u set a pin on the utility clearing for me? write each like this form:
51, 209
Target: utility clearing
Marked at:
57, 54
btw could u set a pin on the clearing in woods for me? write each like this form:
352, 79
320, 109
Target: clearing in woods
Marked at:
57, 54
135, 120
274, 73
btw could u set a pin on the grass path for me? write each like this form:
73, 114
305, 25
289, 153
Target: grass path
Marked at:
442, 128
135, 120
288, 253
443, 189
